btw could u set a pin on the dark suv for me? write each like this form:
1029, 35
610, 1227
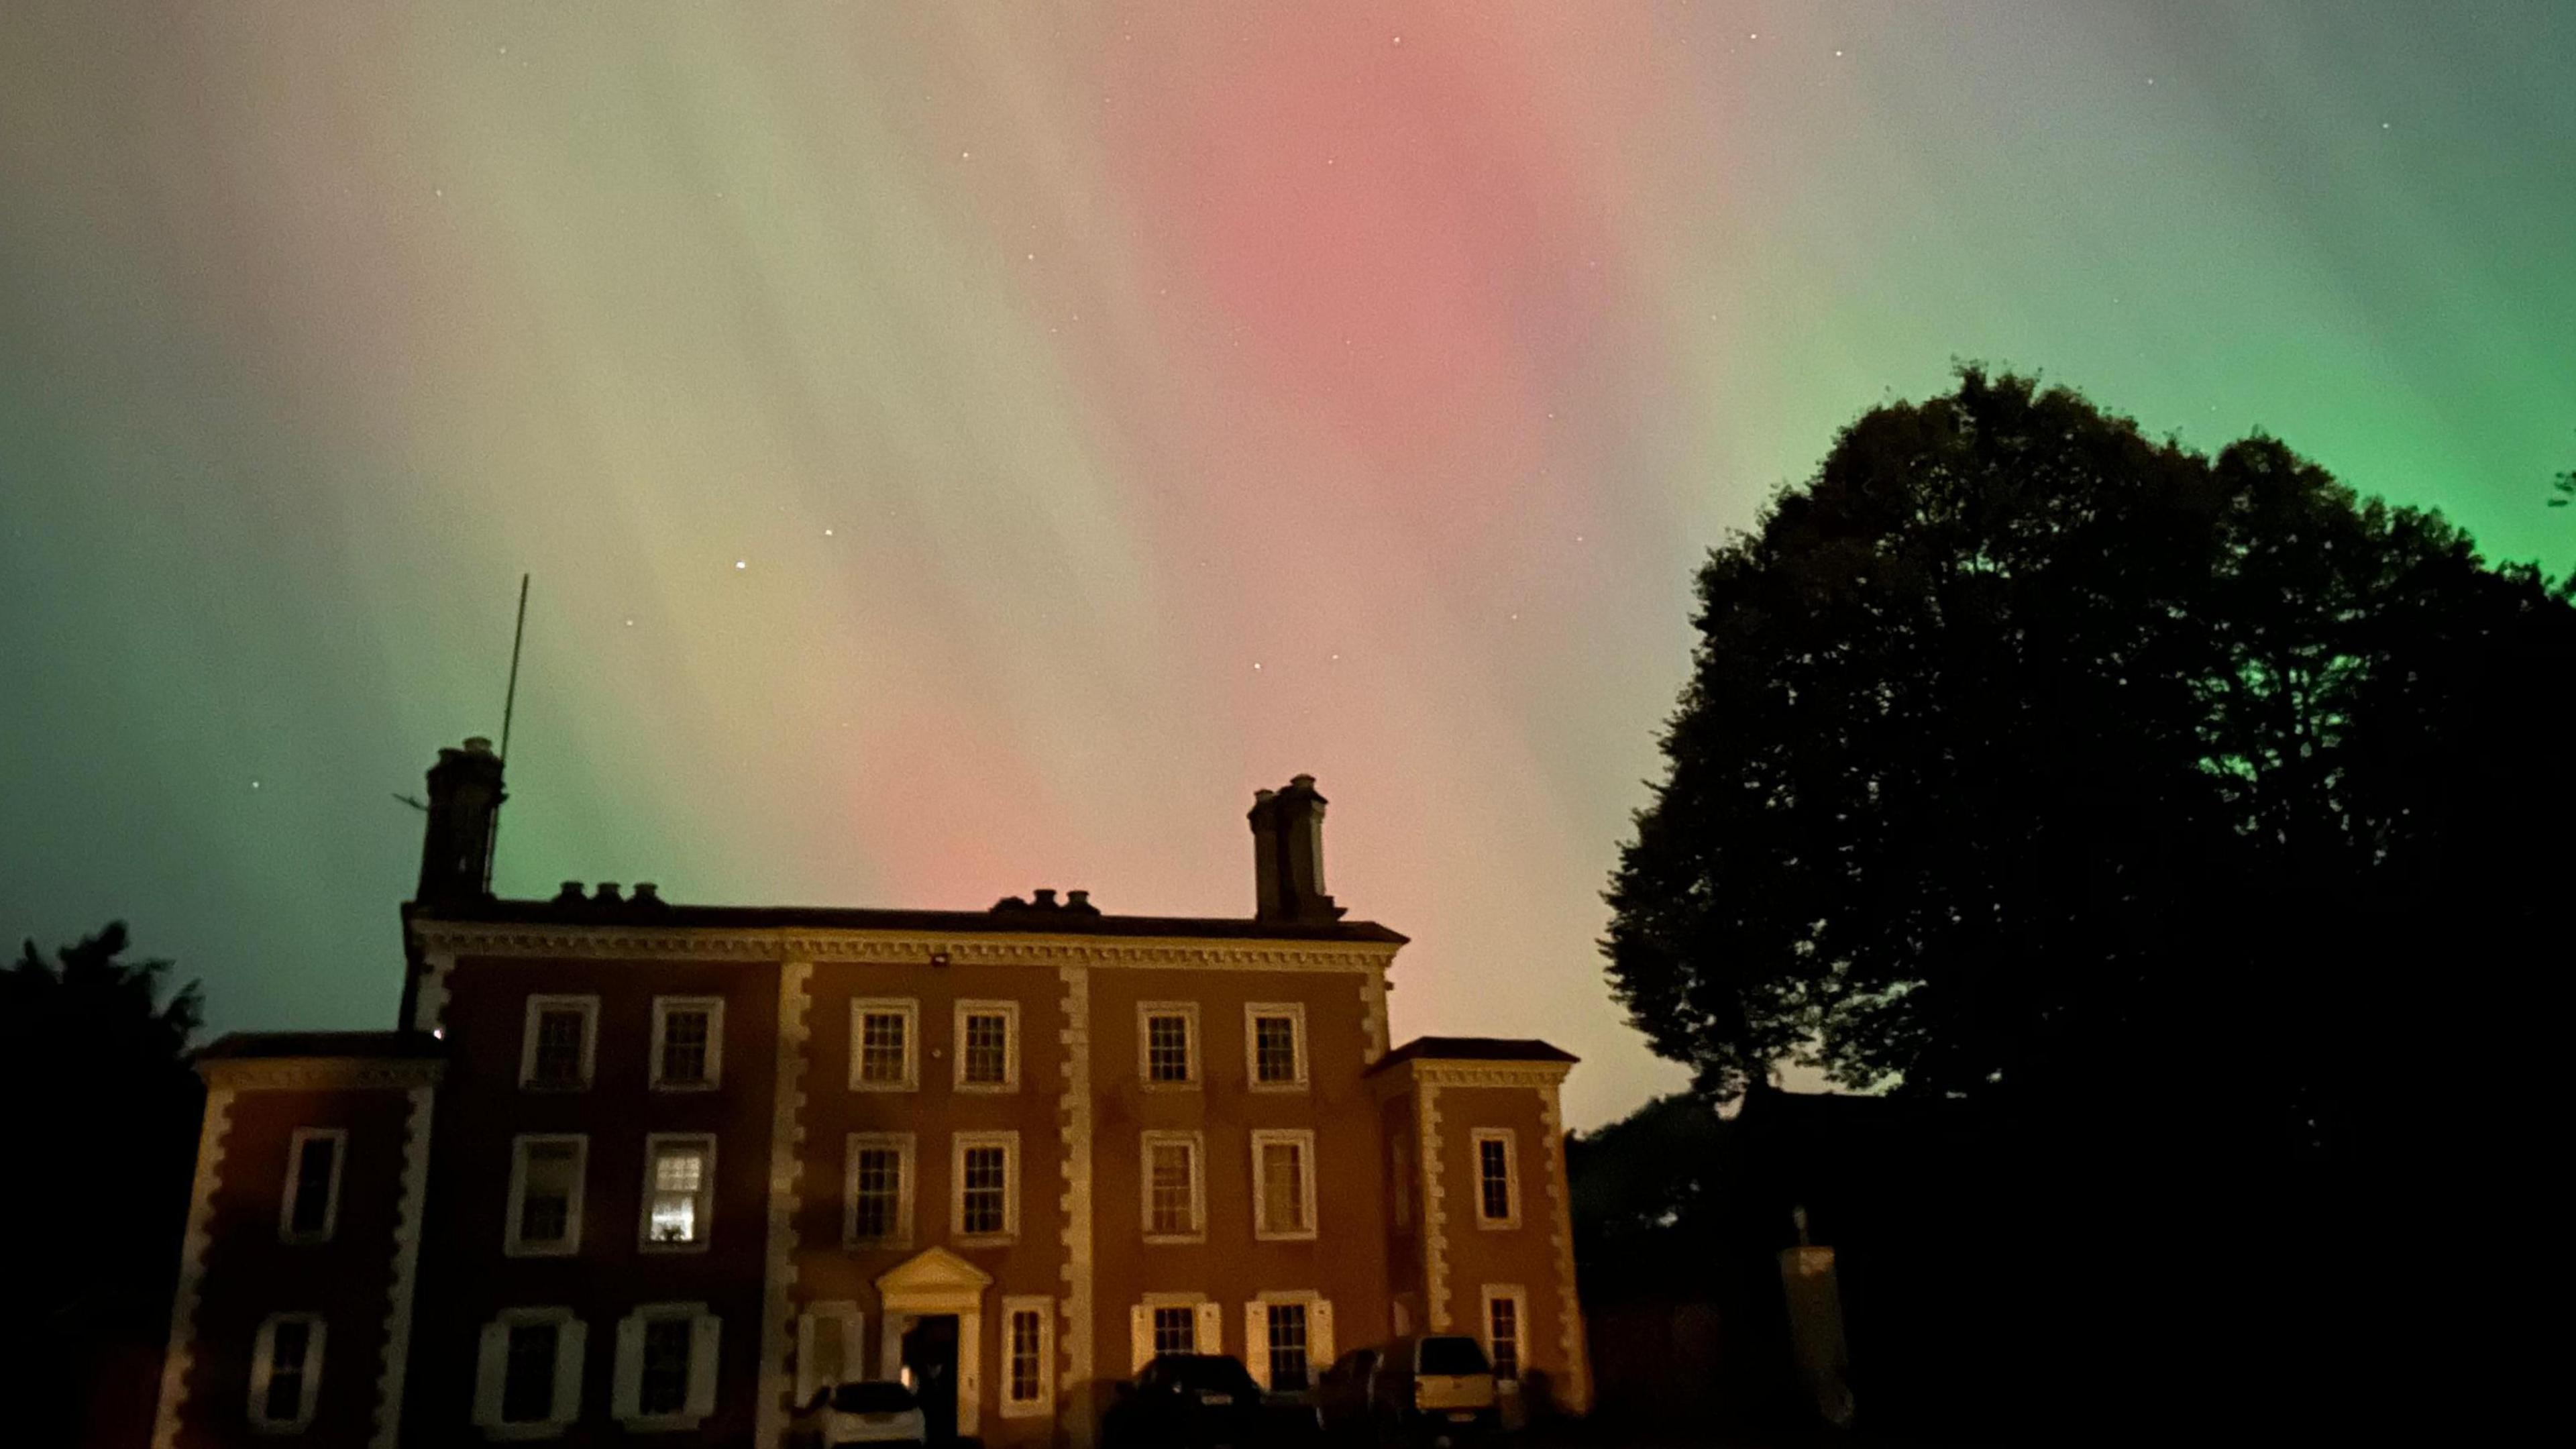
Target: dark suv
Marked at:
1187, 1401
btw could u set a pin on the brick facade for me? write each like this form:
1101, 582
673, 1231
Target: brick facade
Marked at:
900, 1125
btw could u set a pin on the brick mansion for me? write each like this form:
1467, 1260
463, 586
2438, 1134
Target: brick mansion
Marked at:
627, 1166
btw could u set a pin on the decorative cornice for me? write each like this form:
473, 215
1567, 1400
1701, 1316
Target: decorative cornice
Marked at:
254, 1074
180, 1355
786, 1166
1074, 1127
407, 1228
1538, 1075
893, 947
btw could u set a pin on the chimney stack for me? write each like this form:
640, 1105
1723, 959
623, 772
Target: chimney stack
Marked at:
1288, 855
465, 798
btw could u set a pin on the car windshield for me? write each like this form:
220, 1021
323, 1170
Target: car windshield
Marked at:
1454, 1354
1199, 1371
872, 1398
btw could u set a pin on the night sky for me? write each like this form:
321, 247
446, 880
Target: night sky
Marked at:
966, 448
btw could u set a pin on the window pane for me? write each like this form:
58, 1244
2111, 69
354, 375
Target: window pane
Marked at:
1174, 1212
664, 1387
1287, 1347
679, 1189
545, 1208
559, 1034
684, 1047
1283, 1192
1176, 1330
1167, 1048
985, 1186
1027, 1330
1274, 1048
880, 1192
288, 1344
528, 1384
988, 1049
881, 1047
1495, 1157
313, 1183
1505, 1331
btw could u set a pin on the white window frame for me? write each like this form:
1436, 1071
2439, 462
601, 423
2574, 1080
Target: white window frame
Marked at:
1009, 1142
263, 1366
338, 1137
491, 1368
1043, 1406
1196, 1142
1295, 1012
1511, 1175
663, 1007
626, 1384
1195, 1042
1207, 1325
537, 1007
654, 1142
1320, 1348
907, 1007
905, 1167
1518, 1297
513, 1245
854, 1325
1304, 1141
1009, 1012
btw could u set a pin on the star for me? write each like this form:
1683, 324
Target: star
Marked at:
255, 784
827, 533
741, 563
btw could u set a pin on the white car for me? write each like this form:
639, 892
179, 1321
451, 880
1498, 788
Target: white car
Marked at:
863, 1413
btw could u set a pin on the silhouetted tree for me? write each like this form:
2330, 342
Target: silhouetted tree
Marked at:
101, 1111
2192, 812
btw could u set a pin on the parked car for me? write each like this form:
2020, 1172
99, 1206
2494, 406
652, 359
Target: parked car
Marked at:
1188, 1401
1437, 1389
861, 1413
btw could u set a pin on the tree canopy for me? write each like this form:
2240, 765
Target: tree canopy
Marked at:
2022, 751
100, 1106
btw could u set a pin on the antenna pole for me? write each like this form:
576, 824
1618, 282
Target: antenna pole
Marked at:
518, 636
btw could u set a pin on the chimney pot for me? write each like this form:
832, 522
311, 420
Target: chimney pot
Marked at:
647, 893
1043, 899
1080, 901
605, 891
570, 893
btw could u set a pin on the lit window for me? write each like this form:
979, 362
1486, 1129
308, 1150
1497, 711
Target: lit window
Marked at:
1288, 1361
880, 1189
1275, 1041
1176, 1330
688, 1042
286, 1372
679, 1191
1172, 1190
984, 1198
1168, 1032
1497, 1201
883, 1050
545, 1196
555, 1055
312, 1184
1284, 1183
1503, 1335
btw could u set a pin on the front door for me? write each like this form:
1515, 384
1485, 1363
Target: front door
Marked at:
930, 1362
